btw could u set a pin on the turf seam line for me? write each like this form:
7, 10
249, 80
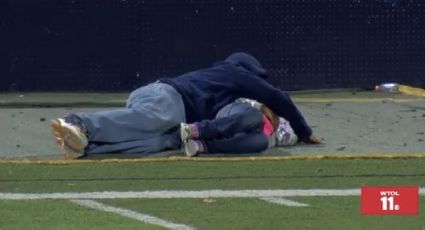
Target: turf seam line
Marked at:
196, 178
330, 156
131, 214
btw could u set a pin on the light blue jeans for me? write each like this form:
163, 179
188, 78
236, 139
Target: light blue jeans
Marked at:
148, 123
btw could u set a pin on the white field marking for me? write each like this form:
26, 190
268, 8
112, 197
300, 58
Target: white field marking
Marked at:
131, 214
168, 194
283, 201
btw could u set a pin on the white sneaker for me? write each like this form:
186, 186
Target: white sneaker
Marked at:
191, 148
184, 132
188, 131
70, 138
68, 152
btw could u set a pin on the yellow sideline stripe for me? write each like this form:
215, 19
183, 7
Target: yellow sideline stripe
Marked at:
355, 100
362, 156
413, 91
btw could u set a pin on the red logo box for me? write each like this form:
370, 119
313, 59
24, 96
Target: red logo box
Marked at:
382, 200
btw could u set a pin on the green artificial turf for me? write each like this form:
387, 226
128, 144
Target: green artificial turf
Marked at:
61, 214
214, 213
240, 213
210, 175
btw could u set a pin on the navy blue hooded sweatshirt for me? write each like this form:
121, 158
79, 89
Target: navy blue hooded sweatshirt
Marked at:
206, 91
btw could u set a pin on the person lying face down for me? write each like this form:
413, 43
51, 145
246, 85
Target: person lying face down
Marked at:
244, 126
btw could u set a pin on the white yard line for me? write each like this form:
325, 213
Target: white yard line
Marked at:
167, 194
283, 201
131, 214
164, 194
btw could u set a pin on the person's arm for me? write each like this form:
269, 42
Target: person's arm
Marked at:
314, 139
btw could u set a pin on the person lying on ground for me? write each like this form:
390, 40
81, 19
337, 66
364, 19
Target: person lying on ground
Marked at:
244, 126
153, 112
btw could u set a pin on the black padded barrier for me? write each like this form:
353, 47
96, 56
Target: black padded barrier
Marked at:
118, 45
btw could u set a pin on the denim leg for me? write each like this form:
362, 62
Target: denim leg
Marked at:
166, 141
151, 111
241, 143
232, 119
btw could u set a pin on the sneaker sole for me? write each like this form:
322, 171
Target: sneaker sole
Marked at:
70, 137
183, 135
67, 151
71, 154
187, 149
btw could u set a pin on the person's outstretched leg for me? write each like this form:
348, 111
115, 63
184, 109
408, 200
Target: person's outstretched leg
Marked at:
167, 141
151, 111
235, 118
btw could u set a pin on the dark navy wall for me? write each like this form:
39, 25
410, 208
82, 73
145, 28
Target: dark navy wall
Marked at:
120, 44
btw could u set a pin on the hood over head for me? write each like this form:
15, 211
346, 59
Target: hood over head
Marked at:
248, 62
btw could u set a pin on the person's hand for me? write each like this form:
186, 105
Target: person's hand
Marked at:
313, 139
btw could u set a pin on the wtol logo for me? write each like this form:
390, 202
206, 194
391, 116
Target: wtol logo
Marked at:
389, 193
385, 200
